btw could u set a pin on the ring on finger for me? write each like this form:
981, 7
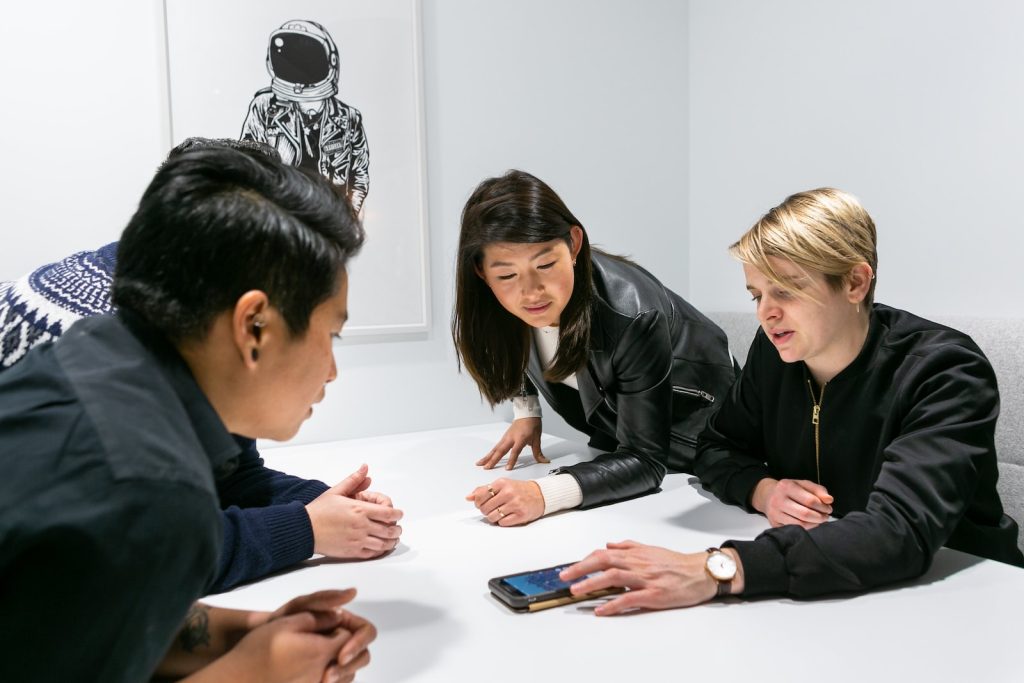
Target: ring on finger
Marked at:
492, 492
501, 515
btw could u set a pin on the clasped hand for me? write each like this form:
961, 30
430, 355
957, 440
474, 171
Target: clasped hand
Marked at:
508, 502
792, 501
350, 522
310, 638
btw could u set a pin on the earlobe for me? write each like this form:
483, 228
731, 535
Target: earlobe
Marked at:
859, 282
576, 235
248, 323
257, 332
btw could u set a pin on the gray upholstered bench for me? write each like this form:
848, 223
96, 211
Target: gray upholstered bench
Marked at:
1002, 340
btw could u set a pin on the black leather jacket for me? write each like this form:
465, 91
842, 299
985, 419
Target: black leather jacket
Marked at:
655, 369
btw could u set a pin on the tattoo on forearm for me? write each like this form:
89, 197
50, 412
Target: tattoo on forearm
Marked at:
196, 631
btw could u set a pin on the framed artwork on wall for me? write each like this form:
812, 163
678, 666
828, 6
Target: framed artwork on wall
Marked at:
336, 87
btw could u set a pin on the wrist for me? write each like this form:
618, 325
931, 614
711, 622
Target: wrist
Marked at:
256, 618
761, 493
312, 526
720, 569
737, 581
559, 492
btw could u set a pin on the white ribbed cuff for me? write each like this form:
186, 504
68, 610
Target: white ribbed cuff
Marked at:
560, 491
525, 406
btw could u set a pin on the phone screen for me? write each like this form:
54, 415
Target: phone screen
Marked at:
538, 582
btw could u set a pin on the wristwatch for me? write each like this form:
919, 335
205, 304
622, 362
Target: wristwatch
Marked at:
722, 568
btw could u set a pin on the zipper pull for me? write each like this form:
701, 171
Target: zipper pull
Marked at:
814, 414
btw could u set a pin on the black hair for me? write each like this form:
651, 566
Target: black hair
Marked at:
251, 146
217, 221
493, 344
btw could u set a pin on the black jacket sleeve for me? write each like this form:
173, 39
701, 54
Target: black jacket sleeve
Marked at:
948, 403
642, 362
730, 456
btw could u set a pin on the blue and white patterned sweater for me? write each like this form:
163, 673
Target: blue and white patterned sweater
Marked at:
43, 304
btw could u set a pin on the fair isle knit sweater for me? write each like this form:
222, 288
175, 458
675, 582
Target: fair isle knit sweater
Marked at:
266, 527
41, 305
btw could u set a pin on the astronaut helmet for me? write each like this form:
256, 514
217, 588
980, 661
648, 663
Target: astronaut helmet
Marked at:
303, 62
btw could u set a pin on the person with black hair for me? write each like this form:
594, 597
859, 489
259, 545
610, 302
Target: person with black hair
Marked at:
271, 520
618, 355
230, 287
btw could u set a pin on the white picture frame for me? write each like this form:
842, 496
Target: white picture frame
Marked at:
216, 62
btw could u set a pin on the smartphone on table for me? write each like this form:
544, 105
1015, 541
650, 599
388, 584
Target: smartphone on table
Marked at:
539, 589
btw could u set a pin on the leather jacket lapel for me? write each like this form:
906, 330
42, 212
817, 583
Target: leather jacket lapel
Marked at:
287, 121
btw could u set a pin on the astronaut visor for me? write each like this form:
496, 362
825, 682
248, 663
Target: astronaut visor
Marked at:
298, 58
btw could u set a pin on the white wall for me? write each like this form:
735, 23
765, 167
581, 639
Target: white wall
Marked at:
83, 116
667, 127
590, 96
915, 106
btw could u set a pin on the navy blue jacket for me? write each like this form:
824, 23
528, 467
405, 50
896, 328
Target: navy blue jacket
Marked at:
265, 524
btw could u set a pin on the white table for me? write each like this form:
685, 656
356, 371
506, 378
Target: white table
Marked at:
438, 622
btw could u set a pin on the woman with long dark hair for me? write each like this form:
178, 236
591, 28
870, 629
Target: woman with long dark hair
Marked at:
616, 354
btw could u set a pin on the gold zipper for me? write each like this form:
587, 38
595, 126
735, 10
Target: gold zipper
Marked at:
816, 421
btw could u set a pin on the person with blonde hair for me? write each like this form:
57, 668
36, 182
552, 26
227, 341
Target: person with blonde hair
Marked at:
865, 434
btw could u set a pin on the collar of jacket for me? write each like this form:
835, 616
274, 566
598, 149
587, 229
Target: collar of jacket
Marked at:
588, 379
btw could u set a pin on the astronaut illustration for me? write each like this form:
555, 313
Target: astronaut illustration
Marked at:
299, 114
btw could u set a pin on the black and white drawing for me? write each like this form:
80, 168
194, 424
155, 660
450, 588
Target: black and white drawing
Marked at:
334, 68
300, 114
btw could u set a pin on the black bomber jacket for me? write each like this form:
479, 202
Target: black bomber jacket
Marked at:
903, 438
655, 369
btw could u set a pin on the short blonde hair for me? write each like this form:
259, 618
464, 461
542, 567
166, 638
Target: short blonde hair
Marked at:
824, 230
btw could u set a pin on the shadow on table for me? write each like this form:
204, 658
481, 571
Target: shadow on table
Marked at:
406, 655
714, 516
395, 615
400, 549
574, 452
947, 562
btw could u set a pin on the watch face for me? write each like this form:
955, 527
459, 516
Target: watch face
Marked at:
721, 566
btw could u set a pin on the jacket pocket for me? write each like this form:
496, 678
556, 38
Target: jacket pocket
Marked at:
693, 393
690, 408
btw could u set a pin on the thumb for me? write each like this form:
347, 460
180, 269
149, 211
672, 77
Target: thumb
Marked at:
299, 622
353, 483
819, 491
321, 601
535, 447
